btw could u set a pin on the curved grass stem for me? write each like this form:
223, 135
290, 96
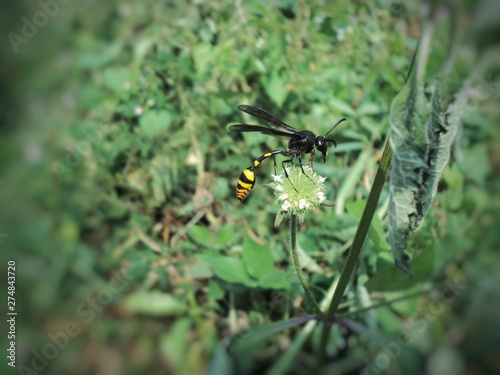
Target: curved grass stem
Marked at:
357, 244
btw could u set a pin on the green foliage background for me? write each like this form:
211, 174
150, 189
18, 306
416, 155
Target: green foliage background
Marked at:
118, 177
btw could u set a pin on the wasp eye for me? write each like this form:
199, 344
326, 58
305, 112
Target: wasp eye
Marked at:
321, 144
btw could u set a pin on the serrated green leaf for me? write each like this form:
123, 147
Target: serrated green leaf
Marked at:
419, 159
408, 128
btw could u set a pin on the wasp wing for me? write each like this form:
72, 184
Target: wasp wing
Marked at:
271, 120
260, 129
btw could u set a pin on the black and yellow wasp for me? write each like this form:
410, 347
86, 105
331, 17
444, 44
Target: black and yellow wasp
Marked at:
301, 142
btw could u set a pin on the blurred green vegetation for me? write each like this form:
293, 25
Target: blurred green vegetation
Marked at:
118, 176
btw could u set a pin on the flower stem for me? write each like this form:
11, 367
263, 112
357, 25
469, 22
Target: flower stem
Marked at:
296, 263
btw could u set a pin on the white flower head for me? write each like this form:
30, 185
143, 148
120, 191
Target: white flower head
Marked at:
283, 197
299, 193
321, 196
285, 206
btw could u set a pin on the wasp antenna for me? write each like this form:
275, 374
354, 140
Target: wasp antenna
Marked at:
331, 140
334, 126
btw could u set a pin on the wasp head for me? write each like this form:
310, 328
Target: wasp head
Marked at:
321, 145
321, 142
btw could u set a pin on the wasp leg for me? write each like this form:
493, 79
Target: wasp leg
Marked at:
286, 173
275, 165
302, 168
311, 159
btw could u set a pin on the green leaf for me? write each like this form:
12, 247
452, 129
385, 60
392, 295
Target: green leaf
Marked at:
228, 269
225, 234
154, 123
422, 141
257, 259
200, 270
276, 279
408, 123
201, 235
154, 303
392, 279
275, 87
117, 79
214, 290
